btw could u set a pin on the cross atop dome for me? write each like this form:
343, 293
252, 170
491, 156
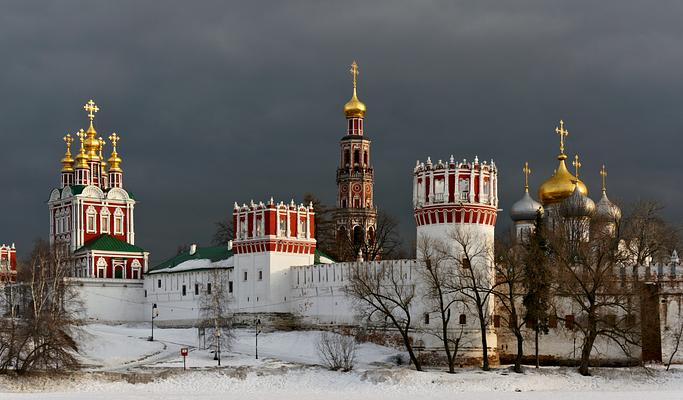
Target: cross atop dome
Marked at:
603, 175
563, 133
91, 108
527, 172
577, 165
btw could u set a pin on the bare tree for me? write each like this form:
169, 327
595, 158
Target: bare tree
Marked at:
385, 293
510, 279
42, 315
676, 335
216, 317
382, 243
337, 351
646, 236
586, 259
325, 225
439, 280
223, 233
472, 257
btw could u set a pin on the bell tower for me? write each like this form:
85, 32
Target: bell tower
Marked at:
356, 216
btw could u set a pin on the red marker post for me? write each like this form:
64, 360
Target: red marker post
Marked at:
183, 352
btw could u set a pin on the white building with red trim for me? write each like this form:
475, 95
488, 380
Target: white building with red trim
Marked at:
8, 263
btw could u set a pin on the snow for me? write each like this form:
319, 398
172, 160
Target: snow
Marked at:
117, 357
191, 265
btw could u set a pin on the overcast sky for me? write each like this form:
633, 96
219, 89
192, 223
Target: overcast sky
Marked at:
218, 102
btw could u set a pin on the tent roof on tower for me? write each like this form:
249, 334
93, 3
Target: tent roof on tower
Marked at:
321, 258
110, 243
203, 258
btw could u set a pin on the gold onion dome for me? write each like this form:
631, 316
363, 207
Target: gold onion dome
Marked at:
114, 159
68, 161
81, 157
92, 144
560, 186
354, 108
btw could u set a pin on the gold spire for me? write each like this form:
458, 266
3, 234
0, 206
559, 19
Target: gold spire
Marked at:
114, 160
68, 161
103, 164
527, 172
81, 158
577, 165
563, 133
603, 174
92, 145
354, 108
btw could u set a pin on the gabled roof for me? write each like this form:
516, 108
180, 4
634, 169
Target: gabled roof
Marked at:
212, 254
110, 243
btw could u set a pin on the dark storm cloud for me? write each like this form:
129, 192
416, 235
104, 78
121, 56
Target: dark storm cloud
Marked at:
219, 102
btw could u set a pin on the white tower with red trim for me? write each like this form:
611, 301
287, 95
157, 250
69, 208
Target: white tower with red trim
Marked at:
455, 195
269, 239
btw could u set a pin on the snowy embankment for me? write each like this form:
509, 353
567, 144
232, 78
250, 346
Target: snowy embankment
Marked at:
117, 355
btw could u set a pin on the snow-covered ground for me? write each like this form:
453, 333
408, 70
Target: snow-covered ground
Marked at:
122, 364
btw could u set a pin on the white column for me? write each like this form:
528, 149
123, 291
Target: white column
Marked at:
445, 184
481, 182
431, 186
414, 190
471, 194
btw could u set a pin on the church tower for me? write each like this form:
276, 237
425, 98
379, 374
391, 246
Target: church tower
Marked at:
356, 216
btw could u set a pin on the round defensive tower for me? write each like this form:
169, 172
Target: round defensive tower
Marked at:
455, 197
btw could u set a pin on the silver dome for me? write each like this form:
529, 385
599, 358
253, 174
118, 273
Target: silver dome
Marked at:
525, 209
606, 210
577, 205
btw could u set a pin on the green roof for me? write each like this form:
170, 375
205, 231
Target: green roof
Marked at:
109, 243
319, 253
203, 253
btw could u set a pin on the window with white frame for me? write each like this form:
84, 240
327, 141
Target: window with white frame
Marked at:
91, 220
104, 220
303, 227
118, 222
101, 268
136, 268
283, 226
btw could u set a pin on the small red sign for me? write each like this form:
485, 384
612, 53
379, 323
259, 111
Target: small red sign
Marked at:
183, 351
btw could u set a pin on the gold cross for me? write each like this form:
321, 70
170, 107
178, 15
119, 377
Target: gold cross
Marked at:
101, 141
68, 139
563, 133
91, 108
577, 164
526, 171
354, 72
114, 138
603, 174
81, 135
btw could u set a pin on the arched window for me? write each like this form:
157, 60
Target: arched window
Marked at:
365, 158
347, 155
91, 220
104, 220
463, 319
118, 222
358, 235
356, 157
101, 267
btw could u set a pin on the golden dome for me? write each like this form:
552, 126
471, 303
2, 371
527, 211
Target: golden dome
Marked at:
114, 160
561, 185
81, 157
68, 161
354, 108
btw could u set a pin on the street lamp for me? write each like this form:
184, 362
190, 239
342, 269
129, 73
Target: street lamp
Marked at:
155, 313
258, 331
